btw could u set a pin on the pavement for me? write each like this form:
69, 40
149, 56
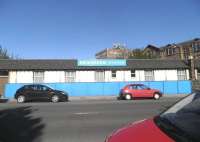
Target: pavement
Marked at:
74, 121
85, 98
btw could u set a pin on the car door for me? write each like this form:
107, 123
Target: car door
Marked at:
32, 92
27, 92
134, 91
42, 92
144, 91
45, 92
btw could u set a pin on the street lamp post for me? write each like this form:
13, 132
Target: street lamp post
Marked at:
192, 65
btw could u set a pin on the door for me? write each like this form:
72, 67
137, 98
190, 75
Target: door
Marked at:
42, 92
134, 91
34, 92
3, 81
144, 91
45, 92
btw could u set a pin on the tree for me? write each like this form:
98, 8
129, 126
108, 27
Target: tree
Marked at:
138, 54
4, 53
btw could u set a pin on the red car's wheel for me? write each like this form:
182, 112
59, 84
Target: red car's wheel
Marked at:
156, 96
128, 97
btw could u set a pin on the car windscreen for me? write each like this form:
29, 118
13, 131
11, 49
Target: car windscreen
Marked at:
184, 117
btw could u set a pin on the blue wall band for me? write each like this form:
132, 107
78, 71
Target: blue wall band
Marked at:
108, 88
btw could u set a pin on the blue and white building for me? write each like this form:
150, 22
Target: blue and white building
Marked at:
94, 71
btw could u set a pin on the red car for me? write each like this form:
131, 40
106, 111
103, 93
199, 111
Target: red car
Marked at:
139, 91
179, 123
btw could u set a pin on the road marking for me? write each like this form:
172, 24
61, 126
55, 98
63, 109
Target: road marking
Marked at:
86, 113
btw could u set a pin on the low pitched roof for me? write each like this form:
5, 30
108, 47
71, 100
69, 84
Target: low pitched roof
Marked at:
156, 64
72, 64
152, 47
37, 64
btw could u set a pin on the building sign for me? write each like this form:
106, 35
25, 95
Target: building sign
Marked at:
102, 62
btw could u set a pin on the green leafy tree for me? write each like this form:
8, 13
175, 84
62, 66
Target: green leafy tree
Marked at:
138, 54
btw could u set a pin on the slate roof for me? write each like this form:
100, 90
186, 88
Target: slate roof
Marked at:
37, 64
72, 64
156, 64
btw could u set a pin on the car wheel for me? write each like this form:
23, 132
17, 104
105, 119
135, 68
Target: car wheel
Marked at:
128, 97
156, 96
55, 99
21, 99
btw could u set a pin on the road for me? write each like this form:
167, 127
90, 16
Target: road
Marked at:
75, 121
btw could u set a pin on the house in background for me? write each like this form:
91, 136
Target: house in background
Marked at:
118, 51
151, 51
177, 51
181, 50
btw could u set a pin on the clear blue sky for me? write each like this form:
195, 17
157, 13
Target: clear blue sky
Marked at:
59, 29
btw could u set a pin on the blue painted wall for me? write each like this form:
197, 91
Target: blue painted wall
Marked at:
108, 88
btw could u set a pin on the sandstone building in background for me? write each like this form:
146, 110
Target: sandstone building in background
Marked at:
118, 51
182, 51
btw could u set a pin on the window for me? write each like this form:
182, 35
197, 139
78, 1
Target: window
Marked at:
196, 47
70, 76
3, 73
169, 51
142, 87
132, 73
32, 87
198, 74
99, 76
181, 74
133, 87
149, 75
114, 75
38, 77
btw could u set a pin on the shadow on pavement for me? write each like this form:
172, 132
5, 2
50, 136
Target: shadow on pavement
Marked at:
17, 125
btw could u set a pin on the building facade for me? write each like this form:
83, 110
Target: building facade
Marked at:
93, 71
60, 71
116, 52
151, 51
182, 51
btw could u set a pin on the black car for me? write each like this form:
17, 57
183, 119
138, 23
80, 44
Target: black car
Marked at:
38, 92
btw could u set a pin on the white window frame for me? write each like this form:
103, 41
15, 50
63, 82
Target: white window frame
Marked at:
99, 76
133, 74
70, 76
181, 74
198, 74
114, 74
149, 75
38, 76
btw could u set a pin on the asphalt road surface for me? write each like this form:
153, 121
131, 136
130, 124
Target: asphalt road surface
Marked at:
75, 121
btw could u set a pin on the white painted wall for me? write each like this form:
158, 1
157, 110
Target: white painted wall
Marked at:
171, 75
85, 76
54, 76
21, 77
12, 77
124, 75
161, 75
89, 76
188, 74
